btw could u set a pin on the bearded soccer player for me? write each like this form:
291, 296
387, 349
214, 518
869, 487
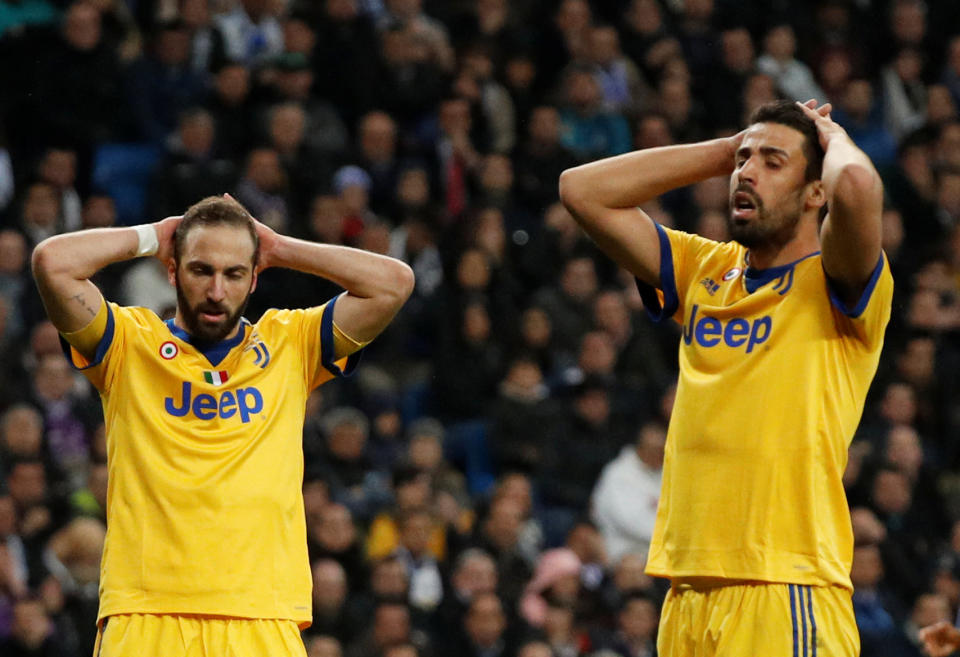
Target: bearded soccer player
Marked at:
206, 538
782, 331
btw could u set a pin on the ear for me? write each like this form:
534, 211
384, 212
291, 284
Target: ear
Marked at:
253, 283
816, 195
172, 272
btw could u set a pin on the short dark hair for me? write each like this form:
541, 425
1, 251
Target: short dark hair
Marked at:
787, 113
215, 211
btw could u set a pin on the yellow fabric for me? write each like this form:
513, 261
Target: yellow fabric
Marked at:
87, 338
191, 636
383, 538
772, 386
204, 505
758, 619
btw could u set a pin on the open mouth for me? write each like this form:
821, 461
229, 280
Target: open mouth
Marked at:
744, 205
212, 316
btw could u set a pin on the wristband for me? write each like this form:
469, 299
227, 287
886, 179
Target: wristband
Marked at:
147, 242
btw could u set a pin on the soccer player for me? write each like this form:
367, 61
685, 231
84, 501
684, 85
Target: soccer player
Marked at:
206, 544
782, 331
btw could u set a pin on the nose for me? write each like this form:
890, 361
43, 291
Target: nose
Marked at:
217, 290
747, 172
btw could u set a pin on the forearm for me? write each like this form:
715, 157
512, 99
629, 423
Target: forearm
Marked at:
849, 176
632, 179
63, 264
377, 286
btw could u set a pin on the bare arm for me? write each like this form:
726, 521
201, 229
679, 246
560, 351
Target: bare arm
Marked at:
851, 233
377, 286
603, 196
63, 265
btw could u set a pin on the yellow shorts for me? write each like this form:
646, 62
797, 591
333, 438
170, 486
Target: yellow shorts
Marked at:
757, 618
167, 635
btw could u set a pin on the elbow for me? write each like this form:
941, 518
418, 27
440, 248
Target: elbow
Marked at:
401, 284
858, 185
570, 189
44, 259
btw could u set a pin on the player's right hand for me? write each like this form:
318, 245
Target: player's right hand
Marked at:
940, 639
165, 230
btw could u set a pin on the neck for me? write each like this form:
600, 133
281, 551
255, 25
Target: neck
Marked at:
803, 243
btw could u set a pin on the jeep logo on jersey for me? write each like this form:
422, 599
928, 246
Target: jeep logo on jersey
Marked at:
242, 401
737, 332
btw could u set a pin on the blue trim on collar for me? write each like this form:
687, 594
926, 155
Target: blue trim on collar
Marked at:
214, 353
668, 284
328, 349
864, 299
105, 341
754, 279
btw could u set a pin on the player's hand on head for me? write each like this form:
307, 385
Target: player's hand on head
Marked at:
165, 231
940, 639
827, 128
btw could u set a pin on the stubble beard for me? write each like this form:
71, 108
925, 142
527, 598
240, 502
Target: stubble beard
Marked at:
206, 334
772, 227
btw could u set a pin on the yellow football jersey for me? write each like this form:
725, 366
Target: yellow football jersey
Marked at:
204, 506
774, 371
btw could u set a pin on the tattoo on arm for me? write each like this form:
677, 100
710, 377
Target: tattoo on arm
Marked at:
79, 298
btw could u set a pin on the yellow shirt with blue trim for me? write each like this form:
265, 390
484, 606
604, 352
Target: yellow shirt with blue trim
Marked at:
774, 372
204, 505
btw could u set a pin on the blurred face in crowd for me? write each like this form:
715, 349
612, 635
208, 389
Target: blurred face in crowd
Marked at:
378, 137
232, 83
545, 124
13, 252
99, 212
173, 46
638, 619
891, 492
264, 170
22, 429
583, 94
30, 625
477, 574
485, 621
287, 126
27, 483
59, 167
82, 26
329, 585
196, 133
391, 624
504, 522
41, 207
53, 379
336, 531
347, 441
323, 646
389, 579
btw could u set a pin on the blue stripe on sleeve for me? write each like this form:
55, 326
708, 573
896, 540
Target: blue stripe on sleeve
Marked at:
803, 619
327, 350
793, 619
668, 284
861, 305
813, 621
105, 341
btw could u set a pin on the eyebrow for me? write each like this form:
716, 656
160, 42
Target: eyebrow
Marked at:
764, 150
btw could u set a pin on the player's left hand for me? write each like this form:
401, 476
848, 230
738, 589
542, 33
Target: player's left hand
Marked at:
827, 128
269, 239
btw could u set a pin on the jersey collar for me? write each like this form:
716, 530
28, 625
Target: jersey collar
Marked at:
217, 351
754, 279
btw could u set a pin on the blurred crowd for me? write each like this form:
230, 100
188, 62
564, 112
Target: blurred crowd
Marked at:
485, 485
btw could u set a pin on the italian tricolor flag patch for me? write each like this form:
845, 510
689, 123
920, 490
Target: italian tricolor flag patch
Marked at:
216, 378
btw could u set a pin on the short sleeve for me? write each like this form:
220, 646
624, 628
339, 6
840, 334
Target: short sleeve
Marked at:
679, 254
317, 345
869, 316
100, 368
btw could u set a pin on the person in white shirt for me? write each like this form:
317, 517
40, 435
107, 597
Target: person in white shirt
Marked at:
624, 501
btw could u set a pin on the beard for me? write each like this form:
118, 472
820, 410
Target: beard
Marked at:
205, 333
771, 227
